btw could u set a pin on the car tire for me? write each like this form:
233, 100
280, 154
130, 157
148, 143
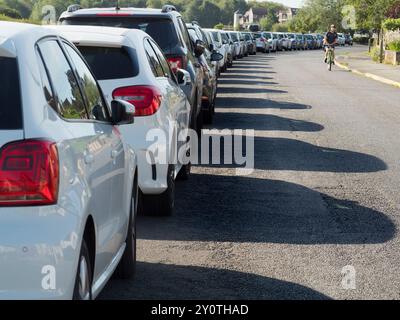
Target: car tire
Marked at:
161, 205
127, 266
83, 274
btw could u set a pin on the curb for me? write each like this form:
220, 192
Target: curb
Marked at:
369, 75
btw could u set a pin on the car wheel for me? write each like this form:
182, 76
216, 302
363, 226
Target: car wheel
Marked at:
162, 204
127, 266
83, 280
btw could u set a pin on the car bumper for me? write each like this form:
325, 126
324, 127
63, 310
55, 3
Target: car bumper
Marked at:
39, 251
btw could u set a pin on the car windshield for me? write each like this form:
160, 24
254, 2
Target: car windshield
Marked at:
10, 95
162, 30
234, 37
267, 35
215, 36
257, 36
247, 36
110, 63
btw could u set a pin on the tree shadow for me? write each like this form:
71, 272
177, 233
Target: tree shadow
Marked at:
257, 103
241, 209
244, 77
156, 281
236, 120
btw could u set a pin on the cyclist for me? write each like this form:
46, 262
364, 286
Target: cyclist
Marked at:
331, 39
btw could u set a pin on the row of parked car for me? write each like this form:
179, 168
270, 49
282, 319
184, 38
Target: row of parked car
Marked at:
82, 107
278, 41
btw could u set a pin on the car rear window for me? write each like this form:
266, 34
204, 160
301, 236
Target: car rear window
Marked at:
257, 36
234, 37
162, 30
110, 63
10, 95
215, 36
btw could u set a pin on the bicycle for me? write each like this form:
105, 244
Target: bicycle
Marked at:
330, 56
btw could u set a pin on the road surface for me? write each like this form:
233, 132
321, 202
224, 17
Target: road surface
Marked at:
323, 199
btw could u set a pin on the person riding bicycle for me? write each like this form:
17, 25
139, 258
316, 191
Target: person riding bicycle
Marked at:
331, 39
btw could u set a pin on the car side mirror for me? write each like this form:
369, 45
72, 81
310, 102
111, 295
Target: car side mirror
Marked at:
183, 77
216, 56
122, 112
199, 48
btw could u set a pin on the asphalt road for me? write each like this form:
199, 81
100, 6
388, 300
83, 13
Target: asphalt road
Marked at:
324, 194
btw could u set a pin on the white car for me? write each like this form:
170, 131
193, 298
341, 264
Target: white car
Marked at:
341, 39
130, 66
236, 43
272, 40
221, 47
68, 183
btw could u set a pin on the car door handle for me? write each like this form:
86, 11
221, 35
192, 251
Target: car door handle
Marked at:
114, 154
89, 159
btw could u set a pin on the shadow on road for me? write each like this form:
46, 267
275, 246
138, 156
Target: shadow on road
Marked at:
258, 103
290, 154
239, 90
226, 81
162, 281
236, 120
268, 211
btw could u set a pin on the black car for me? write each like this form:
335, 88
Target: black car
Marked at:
166, 27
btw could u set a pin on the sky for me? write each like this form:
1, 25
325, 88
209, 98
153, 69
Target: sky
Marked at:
290, 3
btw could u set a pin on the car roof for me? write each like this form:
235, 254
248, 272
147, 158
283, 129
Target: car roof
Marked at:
92, 35
11, 32
129, 11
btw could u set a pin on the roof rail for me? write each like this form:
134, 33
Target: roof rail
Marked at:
74, 7
168, 8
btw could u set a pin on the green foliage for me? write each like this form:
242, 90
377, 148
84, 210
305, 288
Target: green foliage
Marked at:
375, 53
219, 26
280, 27
391, 24
267, 22
9, 12
361, 40
394, 45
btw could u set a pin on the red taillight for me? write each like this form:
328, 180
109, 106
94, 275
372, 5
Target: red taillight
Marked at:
29, 173
176, 63
146, 99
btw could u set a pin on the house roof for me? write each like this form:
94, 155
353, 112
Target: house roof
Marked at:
259, 11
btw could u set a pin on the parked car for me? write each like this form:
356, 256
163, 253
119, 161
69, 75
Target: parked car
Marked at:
341, 39
279, 40
309, 42
301, 40
221, 47
210, 80
228, 44
236, 41
232, 46
272, 40
166, 27
348, 39
139, 73
262, 43
68, 182
293, 41
286, 43
243, 44
251, 43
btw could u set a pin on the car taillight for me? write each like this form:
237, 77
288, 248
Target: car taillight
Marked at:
146, 99
29, 173
176, 63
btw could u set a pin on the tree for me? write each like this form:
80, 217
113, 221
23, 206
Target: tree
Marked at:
219, 26
267, 22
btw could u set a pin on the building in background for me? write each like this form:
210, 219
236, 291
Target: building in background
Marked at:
253, 16
287, 14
